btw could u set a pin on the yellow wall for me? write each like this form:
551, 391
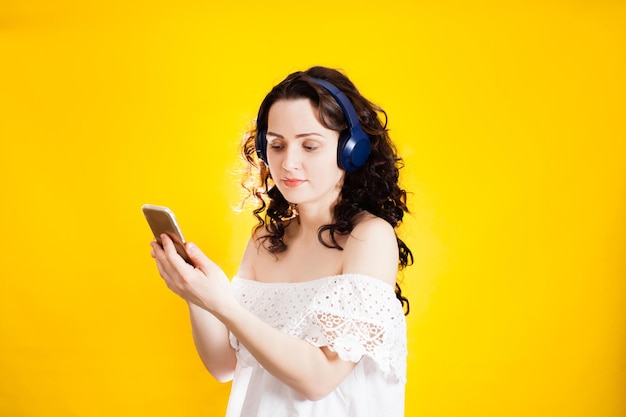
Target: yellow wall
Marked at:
511, 122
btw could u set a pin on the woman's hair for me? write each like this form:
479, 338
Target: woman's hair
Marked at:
372, 188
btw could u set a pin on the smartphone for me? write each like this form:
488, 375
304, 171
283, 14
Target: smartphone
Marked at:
162, 220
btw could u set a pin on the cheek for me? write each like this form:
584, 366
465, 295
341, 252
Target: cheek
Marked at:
334, 177
273, 174
340, 178
273, 162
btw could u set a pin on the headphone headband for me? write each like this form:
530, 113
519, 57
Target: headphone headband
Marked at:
342, 100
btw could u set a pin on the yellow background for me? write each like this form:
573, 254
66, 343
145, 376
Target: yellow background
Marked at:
510, 118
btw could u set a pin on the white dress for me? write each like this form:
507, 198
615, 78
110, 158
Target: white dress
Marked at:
356, 316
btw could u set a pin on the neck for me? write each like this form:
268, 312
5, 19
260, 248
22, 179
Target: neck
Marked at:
314, 214
309, 220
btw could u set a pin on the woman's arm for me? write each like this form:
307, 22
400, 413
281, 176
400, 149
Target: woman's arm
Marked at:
211, 337
312, 371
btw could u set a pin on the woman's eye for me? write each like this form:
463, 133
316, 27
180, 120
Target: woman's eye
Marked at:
310, 147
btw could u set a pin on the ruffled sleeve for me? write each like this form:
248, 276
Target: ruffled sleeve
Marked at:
358, 316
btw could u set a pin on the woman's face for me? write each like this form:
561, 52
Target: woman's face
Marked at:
302, 154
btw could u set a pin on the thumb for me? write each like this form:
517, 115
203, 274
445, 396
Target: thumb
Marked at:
199, 259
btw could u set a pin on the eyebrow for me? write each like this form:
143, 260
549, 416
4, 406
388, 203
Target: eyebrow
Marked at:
300, 135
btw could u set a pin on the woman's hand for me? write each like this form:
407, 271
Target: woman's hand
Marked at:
204, 285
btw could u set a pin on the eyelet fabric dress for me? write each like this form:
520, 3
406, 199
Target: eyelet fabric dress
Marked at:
356, 316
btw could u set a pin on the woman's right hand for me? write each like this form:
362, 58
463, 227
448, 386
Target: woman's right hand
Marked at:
204, 285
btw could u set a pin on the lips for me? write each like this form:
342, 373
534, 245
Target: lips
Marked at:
292, 182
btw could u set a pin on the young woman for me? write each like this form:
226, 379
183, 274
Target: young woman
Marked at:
313, 324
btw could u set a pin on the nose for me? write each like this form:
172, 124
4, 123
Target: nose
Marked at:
292, 158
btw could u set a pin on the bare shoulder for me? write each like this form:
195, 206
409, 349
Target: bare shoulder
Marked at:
372, 249
370, 226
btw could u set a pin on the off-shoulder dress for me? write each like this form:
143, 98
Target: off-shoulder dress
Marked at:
356, 316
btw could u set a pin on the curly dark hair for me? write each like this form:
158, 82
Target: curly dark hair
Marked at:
373, 188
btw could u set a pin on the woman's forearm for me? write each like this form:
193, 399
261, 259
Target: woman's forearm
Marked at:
211, 339
314, 372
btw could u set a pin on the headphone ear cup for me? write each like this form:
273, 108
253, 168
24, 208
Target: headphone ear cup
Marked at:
260, 145
355, 147
353, 150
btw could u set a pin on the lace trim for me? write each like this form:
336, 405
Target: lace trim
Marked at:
354, 315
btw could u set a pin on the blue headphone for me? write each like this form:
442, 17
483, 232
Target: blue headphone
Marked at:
354, 146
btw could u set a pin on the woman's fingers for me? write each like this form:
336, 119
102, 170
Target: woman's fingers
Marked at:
165, 265
203, 285
169, 249
176, 273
